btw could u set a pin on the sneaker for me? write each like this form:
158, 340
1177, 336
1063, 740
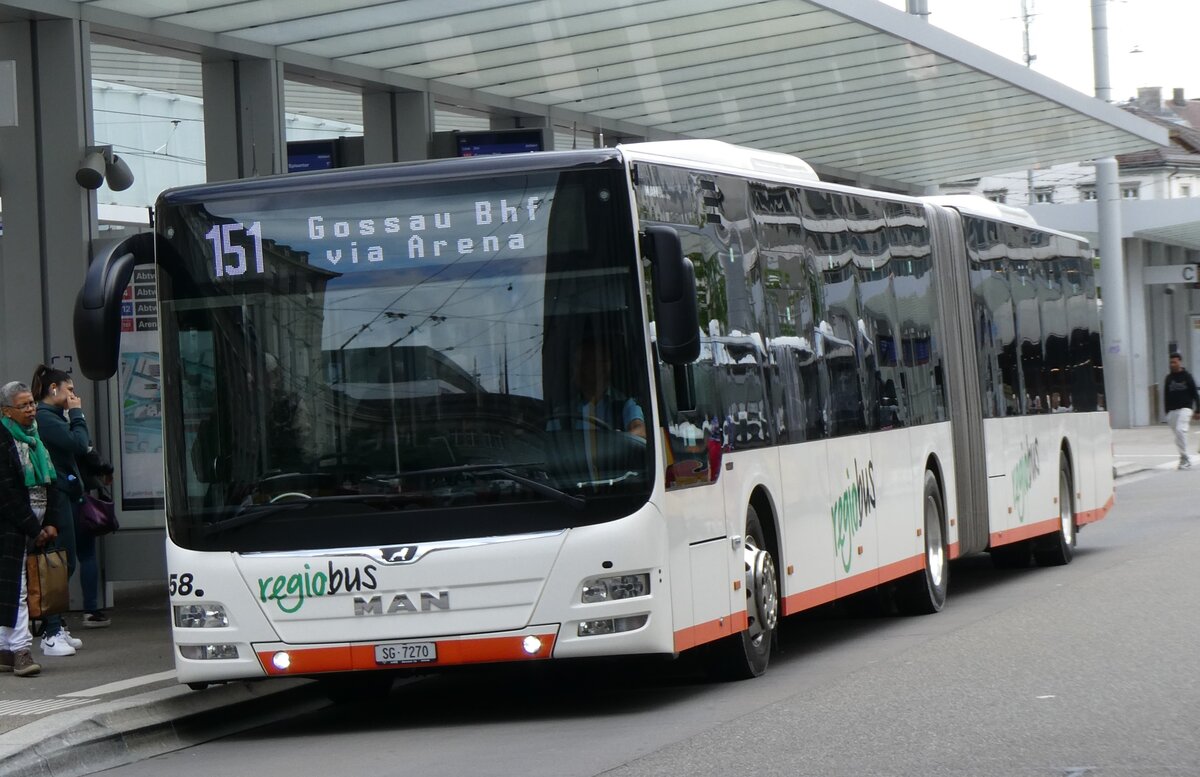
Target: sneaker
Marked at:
67, 637
1185, 462
6, 660
23, 664
54, 645
96, 619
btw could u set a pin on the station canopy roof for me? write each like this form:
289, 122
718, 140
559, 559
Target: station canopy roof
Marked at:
854, 87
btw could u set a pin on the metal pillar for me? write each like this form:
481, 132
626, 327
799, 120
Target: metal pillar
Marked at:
918, 8
396, 126
243, 118
48, 218
1139, 349
1117, 381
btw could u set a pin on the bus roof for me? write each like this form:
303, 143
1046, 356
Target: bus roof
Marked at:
719, 156
974, 205
981, 206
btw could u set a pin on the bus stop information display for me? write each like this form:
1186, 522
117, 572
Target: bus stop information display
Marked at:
140, 394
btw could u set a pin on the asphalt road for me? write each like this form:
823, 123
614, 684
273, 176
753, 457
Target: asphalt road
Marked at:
1089, 669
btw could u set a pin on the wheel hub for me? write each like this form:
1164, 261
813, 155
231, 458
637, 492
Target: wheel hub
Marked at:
762, 605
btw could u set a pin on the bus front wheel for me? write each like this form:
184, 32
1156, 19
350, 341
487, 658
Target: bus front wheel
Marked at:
745, 655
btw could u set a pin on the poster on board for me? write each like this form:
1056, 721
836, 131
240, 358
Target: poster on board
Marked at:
140, 395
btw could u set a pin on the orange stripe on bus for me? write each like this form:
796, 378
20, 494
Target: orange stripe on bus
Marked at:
711, 631
814, 597
1089, 516
345, 658
1028, 531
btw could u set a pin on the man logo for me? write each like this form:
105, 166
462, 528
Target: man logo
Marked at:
400, 554
402, 603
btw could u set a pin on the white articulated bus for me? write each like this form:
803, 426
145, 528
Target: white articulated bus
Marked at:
620, 401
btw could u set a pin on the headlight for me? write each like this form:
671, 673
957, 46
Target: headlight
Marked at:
208, 652
203, 615
608, 589
612, 625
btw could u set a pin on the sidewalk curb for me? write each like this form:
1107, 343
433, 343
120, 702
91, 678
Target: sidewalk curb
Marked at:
104, 736
1124, 470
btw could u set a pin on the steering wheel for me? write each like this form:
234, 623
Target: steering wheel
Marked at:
597, 423
590, 419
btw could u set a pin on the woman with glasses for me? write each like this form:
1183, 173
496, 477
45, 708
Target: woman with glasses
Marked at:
26, 517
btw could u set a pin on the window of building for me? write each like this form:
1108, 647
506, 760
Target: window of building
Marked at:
1043, 195
1185, 190
1129, 191
149, 108
997, 195
1087, 193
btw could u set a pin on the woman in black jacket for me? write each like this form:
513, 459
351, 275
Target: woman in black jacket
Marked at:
27, 517
64, 431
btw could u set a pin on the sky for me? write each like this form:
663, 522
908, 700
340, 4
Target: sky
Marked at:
1162, 32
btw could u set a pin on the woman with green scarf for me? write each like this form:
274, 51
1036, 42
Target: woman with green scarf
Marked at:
27, 516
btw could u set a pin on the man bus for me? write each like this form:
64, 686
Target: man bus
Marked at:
837, 390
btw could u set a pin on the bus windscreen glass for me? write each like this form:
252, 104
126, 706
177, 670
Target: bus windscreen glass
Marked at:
355, 366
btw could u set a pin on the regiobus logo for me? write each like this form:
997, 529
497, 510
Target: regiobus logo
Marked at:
1027, 469
851, 509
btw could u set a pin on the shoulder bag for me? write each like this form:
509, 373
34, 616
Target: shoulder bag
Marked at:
98, 516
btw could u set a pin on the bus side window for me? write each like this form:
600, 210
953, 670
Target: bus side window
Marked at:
695, 435
797, 383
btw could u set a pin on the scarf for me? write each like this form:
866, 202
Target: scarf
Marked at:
38, 469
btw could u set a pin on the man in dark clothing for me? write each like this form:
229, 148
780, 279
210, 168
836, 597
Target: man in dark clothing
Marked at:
1179, 398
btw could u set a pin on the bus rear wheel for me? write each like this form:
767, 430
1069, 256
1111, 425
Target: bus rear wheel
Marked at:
1059, 548
746, 655
924, 592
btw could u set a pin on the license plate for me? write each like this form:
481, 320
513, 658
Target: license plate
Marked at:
406, 653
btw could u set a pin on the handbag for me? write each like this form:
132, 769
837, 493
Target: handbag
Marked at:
98, 516
46, 582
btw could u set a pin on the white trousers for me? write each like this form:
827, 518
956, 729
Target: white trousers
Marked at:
18, 637
1180, 420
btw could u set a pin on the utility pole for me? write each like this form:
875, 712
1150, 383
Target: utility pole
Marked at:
1026, 20
1118, 379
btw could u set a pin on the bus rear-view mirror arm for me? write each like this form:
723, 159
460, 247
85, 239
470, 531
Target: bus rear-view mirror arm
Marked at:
98, 306
674, 281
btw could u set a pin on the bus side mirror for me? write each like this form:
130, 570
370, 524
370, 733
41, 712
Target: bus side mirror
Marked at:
675, 308
98, 306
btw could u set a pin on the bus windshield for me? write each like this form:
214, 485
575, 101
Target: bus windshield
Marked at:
390, 360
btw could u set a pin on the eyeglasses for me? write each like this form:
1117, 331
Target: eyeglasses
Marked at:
25, 406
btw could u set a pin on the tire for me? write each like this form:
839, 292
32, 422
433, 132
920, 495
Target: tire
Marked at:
924, 592
745, 655
1058, 548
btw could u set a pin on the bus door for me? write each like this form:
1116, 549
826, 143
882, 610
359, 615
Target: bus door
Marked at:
694, 504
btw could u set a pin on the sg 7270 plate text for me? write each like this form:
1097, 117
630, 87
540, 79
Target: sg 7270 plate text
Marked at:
406, 653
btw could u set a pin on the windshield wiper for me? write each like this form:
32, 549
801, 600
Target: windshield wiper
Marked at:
254, 513
536, 486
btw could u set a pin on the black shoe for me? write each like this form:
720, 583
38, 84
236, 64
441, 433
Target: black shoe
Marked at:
96, 619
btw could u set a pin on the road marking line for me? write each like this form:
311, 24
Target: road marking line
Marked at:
37, 706
122, 685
